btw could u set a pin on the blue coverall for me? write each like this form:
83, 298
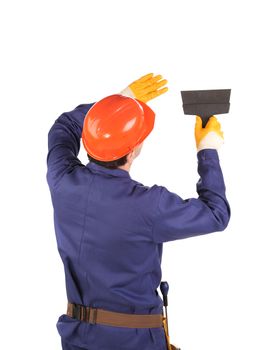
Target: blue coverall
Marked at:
110, 231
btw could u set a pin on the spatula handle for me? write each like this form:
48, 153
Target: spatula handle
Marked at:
205, 119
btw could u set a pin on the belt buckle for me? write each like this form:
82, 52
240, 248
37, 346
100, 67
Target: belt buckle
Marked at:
76, 313
79, 312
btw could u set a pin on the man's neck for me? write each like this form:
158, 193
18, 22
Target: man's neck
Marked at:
126, 167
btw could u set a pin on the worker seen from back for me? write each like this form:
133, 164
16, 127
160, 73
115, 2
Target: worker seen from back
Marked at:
110, 228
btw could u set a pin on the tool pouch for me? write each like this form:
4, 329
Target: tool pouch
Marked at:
169, 346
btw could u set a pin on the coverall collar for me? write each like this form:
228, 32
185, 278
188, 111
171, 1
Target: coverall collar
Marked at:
103, 170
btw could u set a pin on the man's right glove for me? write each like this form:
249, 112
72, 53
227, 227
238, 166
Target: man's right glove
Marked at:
209, 137
146, 88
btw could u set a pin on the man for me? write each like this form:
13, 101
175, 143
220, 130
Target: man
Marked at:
110, 229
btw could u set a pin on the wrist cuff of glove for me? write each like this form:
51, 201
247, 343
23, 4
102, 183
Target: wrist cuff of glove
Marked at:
127, 92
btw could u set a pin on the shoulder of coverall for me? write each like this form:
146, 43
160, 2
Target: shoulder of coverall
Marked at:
84, 107
147, 200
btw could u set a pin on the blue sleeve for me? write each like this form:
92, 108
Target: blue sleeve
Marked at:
177, 218
64, 143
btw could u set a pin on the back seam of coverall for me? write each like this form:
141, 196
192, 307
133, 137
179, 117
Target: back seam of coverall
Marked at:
84, 221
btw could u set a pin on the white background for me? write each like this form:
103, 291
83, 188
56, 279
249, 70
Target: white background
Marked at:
58, 54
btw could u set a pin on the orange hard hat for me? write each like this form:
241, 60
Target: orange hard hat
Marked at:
114, 125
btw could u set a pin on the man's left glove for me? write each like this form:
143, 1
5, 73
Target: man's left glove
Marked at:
146, 88
209, 137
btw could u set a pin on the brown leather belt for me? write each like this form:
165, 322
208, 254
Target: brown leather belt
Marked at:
117, 319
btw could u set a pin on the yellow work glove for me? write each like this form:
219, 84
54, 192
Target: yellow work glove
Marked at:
209, 137
146, 88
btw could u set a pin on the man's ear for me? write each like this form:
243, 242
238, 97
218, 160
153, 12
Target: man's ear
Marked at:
130, 156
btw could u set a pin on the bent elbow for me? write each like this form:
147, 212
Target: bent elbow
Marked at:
224, 224
223, 218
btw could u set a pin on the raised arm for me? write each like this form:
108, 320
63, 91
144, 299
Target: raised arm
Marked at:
65, 134
178, 218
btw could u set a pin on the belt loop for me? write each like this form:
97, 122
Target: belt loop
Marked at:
82, 313
94, 316
87, 314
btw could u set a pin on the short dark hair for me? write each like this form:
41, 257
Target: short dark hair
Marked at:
113, 164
